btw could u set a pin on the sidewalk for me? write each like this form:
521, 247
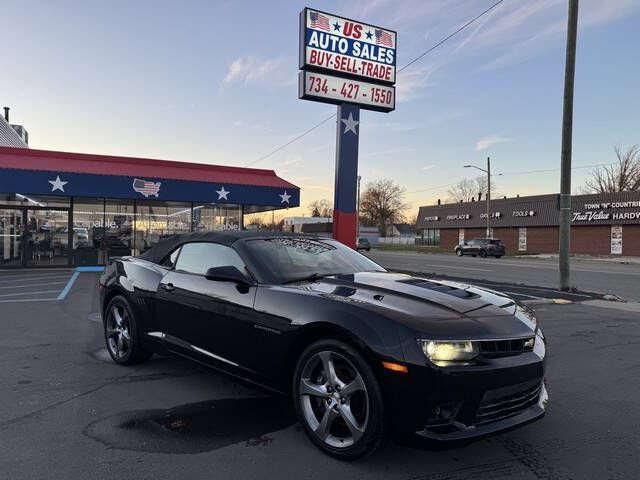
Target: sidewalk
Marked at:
594, 258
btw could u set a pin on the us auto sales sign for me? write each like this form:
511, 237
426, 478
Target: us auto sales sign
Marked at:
336, 44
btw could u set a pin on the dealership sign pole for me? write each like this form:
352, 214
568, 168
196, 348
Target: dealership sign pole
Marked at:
352, 65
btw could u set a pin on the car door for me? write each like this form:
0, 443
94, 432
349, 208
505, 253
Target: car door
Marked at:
471, 247
203, 318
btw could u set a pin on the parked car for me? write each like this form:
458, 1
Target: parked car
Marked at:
483, 247
361, 351
363, 244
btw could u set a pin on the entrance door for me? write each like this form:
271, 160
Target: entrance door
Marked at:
47, 239
10, 237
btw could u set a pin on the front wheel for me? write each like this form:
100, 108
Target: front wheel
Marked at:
459, 252
338, 400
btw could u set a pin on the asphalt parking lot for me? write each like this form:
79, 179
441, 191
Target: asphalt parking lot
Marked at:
67, 412
35, 285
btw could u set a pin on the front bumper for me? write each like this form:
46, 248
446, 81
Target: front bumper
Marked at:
464, 402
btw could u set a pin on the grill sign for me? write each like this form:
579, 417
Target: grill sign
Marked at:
330, 89
338, 45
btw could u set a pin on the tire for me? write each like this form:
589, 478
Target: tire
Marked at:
316, 401
498, 256
121, 333
459, 252
482, 254
368, 249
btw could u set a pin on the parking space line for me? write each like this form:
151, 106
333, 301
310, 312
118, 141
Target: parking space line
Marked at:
55, 277
27, 293
70, 283
42, 275
16, 300
33, 285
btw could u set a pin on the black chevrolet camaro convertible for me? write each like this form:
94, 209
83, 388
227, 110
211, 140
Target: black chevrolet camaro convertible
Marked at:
361, 351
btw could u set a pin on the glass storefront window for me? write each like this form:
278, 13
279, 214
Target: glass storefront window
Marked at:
119, 219
210, 217
10, 237
156, 220
47, 237
431, 237
89, 223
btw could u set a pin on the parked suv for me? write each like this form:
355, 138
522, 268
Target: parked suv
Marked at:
484, 247
363, 244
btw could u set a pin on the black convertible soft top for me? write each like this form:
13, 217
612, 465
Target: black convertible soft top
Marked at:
165, 246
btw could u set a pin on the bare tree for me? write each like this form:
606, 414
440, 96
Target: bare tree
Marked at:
321, 208
382, 203
470, 188
463, 191
621, 176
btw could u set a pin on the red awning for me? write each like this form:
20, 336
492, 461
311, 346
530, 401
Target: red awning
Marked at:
31, 159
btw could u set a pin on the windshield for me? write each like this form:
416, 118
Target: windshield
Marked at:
288, 259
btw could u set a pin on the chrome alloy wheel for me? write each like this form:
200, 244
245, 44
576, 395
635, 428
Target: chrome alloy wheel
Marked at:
118, 331
334, 399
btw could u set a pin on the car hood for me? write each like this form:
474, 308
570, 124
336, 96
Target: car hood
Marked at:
439, 308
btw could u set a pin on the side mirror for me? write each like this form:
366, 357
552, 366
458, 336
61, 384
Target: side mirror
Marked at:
227, 274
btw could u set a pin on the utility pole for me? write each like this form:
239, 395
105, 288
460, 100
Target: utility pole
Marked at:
488, 197
358, 210
488, 172
567, 131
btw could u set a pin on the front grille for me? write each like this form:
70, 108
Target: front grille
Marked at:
508, 401
503, 348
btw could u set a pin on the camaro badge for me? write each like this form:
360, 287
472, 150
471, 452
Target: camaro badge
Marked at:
146, 188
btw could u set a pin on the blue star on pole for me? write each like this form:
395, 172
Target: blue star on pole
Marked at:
369, 35
336, 26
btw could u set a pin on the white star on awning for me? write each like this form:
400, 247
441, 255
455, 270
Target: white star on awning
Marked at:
285, 197
222, 193
57, 184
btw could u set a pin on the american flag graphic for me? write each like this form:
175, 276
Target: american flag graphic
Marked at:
146, 188
319, 21
384, 38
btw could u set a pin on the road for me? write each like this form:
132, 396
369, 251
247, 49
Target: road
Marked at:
67, 412
587, 275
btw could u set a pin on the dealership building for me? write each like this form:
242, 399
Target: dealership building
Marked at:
59, 209
601, 224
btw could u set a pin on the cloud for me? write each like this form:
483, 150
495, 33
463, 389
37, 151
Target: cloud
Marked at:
250, 70
531, 28
487, 142
428, 167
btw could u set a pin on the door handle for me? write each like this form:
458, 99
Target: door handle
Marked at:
168, 287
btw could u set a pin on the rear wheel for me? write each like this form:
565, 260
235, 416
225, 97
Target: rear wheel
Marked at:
121, 333
498, 256
482, 254
338, 400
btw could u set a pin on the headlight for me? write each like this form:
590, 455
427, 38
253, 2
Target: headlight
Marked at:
448, 352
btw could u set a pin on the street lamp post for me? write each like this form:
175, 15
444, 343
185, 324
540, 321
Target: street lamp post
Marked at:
488, 172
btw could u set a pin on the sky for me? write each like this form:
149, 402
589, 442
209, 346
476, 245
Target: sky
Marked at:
216, 82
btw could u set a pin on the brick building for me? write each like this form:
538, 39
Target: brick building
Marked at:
602, 224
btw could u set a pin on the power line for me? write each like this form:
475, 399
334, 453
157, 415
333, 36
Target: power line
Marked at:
295, 139
451, 35
429, 50
528, 172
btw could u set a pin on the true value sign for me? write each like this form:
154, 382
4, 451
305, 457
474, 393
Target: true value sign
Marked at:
351, 61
